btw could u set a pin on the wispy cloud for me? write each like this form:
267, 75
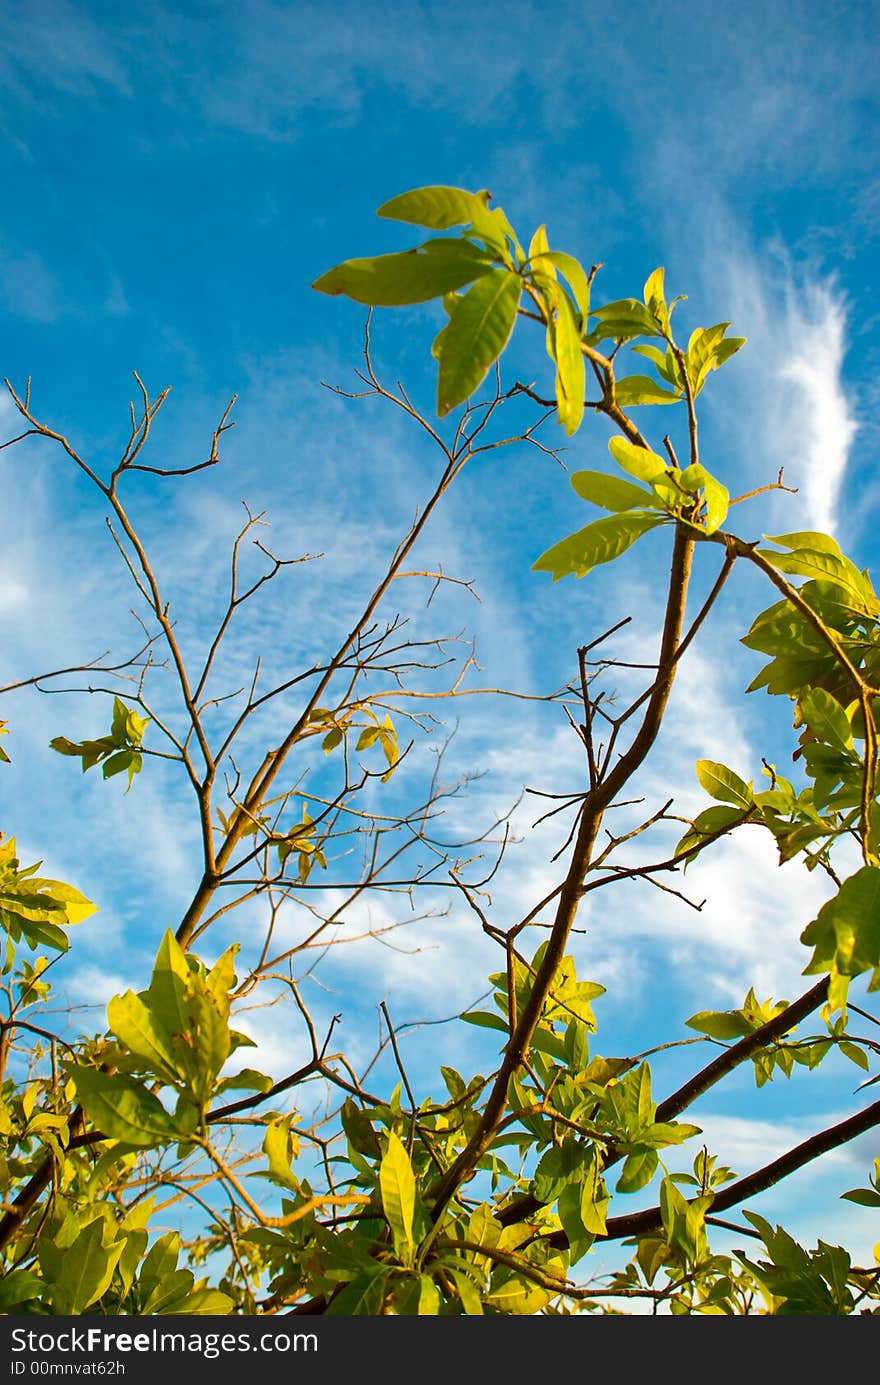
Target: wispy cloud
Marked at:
822, 425
27, 286
784, 402
61, 45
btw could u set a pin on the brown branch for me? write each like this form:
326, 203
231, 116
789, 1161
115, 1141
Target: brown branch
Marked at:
643, 1223
742, 1050
595, 804
707, 1077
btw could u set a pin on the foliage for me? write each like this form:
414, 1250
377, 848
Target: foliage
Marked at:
486, 1197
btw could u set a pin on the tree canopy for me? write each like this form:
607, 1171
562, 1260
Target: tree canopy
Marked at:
487, 1194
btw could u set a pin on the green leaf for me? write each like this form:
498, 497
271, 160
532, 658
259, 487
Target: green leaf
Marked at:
397, 1186
160, 1262
574, 273
247, 1080
665, 362
564, 347
720, 1024
717, 498
638, 1169
135, 727
35, 934
440, 208
568, 1209
475, 336
221, 978
74, 904
599, 542
640, 462
707, 350
539, 245
485, 1019
655, 298
594, 1197
85, 1270
117, 724
826, 718
468, 1294
363, 1296
138, 1029
166, 996
557, 1168
36, 907
409, 276
822, 564
359, 1129
19, 1286
205, 1042
169, 1294
855, 1054
846, 932
63, 746
123, 1108
206, 1303
632, 390
281, 1147
136, 1240
429, 1297
123, 760
721, 783
807, 538
707, 824
612, 492
865, 1197
622, 320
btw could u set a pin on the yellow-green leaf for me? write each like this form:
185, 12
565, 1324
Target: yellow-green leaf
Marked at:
721, 783
440, 208
599, 542
612, 492
564, 346
85, 1270
475, 336
632, 390
640, 462
551, 260
397, 1186
123, 1108
138, 1029
410, 276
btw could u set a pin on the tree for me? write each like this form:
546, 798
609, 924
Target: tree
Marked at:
485, 1197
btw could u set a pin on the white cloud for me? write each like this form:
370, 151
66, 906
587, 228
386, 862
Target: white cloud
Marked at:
94, 986
784, 403
824, 428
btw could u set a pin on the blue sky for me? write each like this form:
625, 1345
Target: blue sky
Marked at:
176, 177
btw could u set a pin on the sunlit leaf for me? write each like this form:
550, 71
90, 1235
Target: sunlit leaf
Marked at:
565, 347
440, 208
641, 389
123, 1108
402, 278
475, 336
398, 1188
598, 543
85, 1270
612, 492
721, 783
